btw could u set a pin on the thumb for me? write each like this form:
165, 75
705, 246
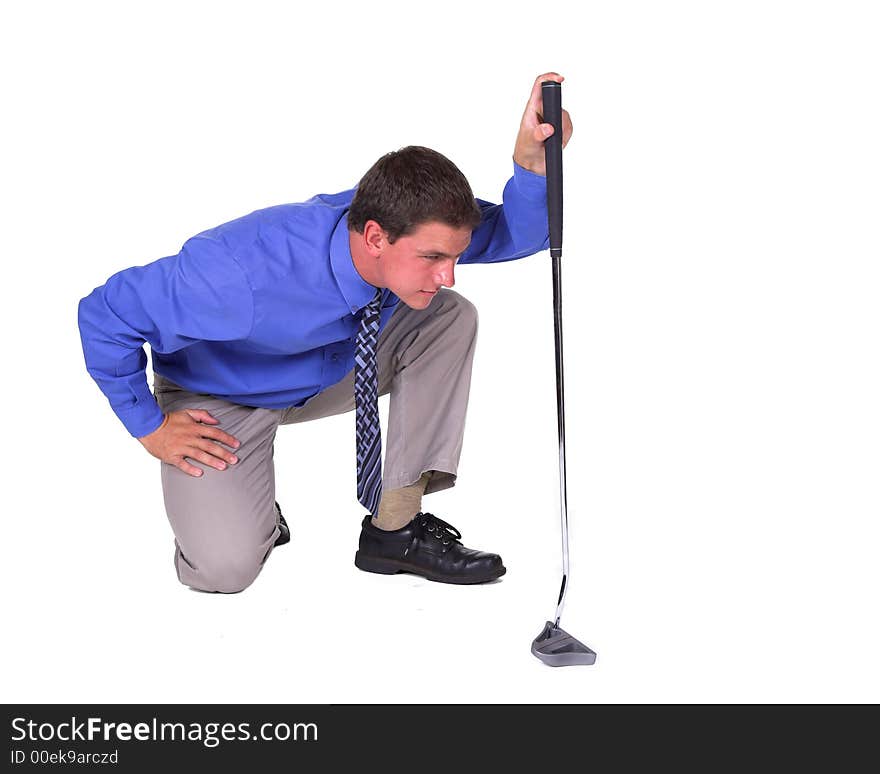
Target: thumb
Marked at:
542, 131
200, 415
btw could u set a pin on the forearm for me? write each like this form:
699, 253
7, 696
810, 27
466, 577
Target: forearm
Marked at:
516, 228
200, 294
116, 360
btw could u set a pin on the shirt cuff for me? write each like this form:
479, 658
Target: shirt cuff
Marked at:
141, 419
530, 186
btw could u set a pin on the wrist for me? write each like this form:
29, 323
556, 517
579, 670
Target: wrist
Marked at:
150, 435
535, 166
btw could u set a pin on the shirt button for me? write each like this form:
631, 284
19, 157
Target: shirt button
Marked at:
335, 357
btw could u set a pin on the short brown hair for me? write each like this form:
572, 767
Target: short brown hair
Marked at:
412, 186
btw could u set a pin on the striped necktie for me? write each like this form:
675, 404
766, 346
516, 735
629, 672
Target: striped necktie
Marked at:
366, 400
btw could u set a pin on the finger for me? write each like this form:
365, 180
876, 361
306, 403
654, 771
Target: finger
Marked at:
546, 77
191, 470
208, 459
535, 104
537, 88
219, 435
549, 77
217, 450
567, 127
543, 131
200, 415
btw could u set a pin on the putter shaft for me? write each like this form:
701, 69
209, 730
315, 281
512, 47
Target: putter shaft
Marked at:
560, 419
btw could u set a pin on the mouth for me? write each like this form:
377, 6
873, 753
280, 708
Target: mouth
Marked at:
429, 292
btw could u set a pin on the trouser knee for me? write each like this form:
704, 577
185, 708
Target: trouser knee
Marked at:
233, 579
463, 313
225, 575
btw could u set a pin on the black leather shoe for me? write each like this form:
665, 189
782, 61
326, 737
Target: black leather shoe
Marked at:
284, 537
427, 546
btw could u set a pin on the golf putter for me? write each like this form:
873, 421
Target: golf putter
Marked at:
555, 646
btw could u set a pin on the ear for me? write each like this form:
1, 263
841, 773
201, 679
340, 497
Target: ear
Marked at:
375, 238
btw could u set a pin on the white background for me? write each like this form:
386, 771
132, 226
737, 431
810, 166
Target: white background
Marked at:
721, 286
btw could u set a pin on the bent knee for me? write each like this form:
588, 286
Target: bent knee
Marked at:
226, 576
465, 313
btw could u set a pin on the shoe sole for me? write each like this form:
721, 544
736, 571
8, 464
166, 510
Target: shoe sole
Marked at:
393, 566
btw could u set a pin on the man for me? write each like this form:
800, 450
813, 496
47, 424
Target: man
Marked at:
293, 313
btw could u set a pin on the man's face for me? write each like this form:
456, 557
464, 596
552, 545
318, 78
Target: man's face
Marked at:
416, 266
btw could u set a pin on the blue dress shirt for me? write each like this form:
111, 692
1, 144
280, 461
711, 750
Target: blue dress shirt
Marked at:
262, 311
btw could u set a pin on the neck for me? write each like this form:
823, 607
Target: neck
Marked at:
364, 263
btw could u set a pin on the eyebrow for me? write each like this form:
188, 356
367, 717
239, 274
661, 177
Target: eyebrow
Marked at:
442, 254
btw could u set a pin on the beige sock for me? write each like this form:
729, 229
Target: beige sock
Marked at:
398, 506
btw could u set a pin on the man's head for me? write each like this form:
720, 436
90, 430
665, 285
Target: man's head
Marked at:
411, 218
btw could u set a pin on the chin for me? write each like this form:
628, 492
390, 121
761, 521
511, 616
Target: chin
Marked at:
418, 301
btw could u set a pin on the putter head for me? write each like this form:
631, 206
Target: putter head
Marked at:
556, 647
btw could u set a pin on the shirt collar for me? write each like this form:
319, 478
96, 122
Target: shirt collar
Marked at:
356, 291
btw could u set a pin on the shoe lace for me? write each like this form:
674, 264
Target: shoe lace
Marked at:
439, 529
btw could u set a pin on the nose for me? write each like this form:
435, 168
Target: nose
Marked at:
446, 274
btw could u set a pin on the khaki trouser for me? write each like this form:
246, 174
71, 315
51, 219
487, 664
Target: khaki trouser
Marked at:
225, 521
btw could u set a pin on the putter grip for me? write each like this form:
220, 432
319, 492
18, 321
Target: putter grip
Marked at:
551, 95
